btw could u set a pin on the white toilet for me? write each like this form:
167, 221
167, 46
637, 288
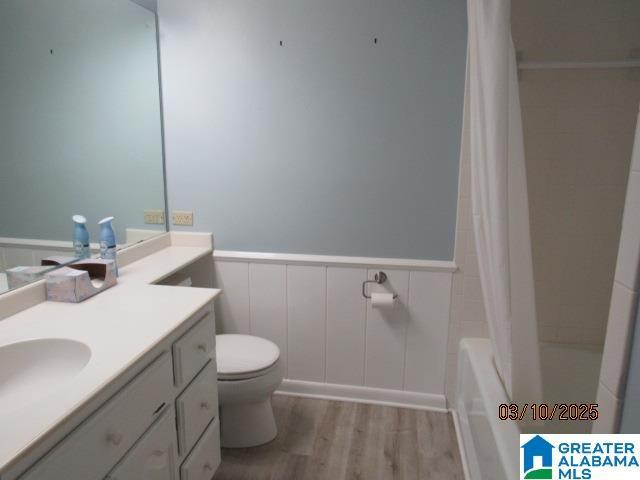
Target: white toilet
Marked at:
249, 371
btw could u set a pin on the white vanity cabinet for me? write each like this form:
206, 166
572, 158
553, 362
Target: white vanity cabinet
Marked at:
155, 456
201, 462
136, 433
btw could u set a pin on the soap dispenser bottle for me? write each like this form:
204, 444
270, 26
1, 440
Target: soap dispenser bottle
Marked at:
108, 240
80, 237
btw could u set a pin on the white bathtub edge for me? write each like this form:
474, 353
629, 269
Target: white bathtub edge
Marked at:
505, 433
463, 452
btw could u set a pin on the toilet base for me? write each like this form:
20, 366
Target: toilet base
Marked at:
247, 424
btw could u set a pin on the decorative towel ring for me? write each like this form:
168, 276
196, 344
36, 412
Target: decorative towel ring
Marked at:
378, 278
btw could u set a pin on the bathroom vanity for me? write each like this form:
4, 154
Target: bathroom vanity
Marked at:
122, 386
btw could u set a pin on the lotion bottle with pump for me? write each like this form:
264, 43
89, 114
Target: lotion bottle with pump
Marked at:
107, 240
80, 237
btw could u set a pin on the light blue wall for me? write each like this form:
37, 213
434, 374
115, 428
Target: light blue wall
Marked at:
80, 127
630, 422
329, 144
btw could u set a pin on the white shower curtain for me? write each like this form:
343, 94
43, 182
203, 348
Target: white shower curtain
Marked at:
499, 198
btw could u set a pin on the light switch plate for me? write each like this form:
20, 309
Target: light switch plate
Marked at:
181, 217
154, 217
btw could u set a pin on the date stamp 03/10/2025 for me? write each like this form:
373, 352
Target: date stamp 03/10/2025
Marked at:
546, 411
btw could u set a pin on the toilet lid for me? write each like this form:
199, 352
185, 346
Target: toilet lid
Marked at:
241, 354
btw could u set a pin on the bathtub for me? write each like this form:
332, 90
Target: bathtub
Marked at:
491, 446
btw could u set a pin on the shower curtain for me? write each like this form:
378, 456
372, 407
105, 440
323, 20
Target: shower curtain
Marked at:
499, 198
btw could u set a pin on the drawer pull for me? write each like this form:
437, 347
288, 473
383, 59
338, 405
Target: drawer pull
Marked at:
202, 347
115, 438
159, 408
205, 405
207, 467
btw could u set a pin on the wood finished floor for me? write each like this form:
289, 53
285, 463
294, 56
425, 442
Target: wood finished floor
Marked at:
330, 440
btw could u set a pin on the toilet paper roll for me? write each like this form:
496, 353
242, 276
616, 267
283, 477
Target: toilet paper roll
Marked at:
382, 300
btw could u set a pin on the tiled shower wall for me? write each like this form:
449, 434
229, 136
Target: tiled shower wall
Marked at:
578, 127
576, 30
467, 309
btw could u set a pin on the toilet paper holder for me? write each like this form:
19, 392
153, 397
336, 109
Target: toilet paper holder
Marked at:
378, 278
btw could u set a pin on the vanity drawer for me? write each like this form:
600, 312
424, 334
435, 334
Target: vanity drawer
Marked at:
197, 405
154, 456
92, 449
204, 460
194, 349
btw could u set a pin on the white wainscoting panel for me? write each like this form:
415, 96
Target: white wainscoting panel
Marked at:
233, 305
15, 257
426, 352
18, 252
268, 305
307, 309
346, 325
387, 334
333, 343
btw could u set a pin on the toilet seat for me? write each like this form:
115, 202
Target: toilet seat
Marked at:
240, 357
229, 377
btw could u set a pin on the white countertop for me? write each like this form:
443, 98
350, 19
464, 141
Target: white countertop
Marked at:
119, 325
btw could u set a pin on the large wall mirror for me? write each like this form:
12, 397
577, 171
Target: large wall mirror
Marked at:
80, 126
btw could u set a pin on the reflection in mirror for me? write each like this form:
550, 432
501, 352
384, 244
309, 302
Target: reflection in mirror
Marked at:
80, 128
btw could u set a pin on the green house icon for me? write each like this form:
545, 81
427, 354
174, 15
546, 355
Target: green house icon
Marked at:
538, 447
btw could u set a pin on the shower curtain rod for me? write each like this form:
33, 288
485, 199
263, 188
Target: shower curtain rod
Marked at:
567, 65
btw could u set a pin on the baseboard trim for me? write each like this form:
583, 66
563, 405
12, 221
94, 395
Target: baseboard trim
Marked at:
358, 394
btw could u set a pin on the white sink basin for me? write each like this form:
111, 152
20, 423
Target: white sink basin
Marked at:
33, 369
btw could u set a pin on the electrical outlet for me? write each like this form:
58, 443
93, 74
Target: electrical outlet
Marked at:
180, 217
154, 217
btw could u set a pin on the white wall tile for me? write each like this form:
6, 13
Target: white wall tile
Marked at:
386, 334
306, 303
268, 304
629, 252
615, 357
609, 412
233, 305
554, 104
426, 352
346, 325
472, 288
467, 317
576, 174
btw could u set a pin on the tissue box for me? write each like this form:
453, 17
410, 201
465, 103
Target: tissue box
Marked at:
81, 280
